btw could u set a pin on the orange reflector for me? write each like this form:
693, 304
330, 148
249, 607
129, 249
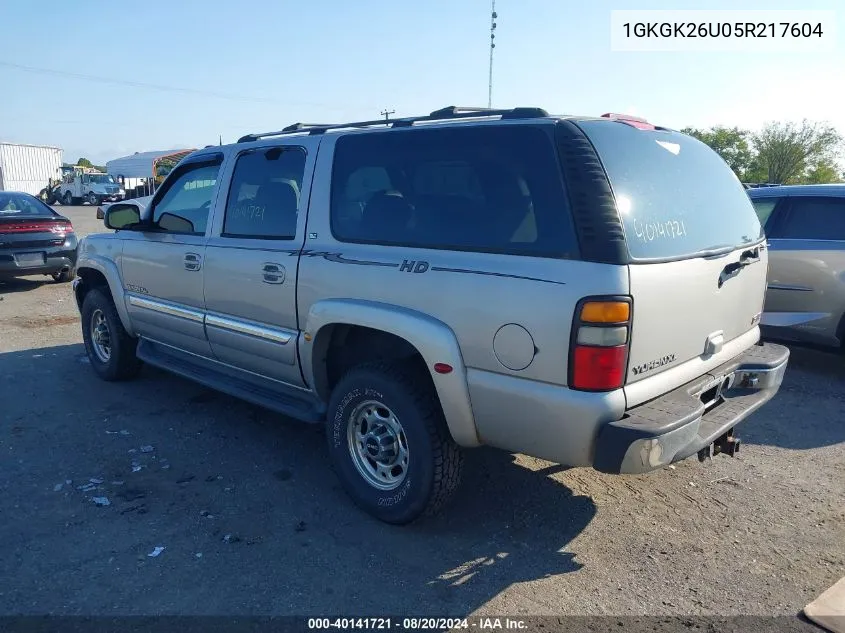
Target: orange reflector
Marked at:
605, 312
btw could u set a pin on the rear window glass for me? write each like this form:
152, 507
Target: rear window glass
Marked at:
476, 188
19, 205
676, 197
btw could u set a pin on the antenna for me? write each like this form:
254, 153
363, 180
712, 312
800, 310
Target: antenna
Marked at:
493, 17
386, 113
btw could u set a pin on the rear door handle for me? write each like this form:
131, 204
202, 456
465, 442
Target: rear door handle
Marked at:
193, 261
273, 273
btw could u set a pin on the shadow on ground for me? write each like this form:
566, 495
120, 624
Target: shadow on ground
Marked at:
251, 517
807, 411
22, 284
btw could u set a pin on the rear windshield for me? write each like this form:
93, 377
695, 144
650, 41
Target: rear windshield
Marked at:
676, 197
15, 205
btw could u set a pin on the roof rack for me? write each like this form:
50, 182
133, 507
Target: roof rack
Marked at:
450, 112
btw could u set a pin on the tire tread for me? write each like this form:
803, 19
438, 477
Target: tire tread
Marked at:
127, 364
447, 455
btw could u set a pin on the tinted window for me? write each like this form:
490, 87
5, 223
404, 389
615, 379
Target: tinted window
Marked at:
763, 207
19, 205
479, 188
264, 194
814, 219
185, 206
675, 195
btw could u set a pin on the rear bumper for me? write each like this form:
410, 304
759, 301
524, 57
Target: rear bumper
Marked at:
56, 258
678, 424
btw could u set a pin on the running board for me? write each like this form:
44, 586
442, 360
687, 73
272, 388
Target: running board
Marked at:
276, 396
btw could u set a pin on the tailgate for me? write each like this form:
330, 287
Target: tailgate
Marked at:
690, 310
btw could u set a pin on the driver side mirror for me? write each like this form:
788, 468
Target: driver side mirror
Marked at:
122, 217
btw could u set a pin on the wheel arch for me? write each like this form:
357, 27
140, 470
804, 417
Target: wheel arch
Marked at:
101, 273
393, 332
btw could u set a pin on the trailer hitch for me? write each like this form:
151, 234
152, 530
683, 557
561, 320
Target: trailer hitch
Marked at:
727, 444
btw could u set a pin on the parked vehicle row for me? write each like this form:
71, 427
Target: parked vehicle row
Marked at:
585, 290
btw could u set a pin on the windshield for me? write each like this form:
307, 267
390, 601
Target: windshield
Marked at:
104, 179
18, 205
676, 197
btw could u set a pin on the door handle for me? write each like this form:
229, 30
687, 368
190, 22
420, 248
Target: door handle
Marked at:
193, 261
273, 273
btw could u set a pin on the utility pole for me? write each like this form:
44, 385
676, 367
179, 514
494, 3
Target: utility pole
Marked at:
493, 17
386, 113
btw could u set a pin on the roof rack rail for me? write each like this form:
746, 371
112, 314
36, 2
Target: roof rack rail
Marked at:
450, 112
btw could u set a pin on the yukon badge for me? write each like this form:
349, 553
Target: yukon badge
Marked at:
653, 364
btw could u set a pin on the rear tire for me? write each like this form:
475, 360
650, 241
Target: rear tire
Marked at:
110, 348
67, 199
389, 443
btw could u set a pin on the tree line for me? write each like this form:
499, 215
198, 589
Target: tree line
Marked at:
780, 153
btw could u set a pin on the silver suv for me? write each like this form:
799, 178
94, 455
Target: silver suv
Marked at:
805, 225
586, 290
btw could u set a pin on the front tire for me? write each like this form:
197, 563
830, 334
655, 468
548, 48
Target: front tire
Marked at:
389, 443
110, 348
92, 199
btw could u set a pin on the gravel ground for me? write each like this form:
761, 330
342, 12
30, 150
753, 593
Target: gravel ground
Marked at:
252, 520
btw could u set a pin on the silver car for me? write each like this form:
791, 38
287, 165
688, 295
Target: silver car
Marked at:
585, 290
805, 224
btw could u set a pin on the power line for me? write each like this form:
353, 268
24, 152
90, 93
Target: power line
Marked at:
159, 87
386, 113
134, 84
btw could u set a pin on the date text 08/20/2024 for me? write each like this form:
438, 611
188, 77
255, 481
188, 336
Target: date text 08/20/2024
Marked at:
416, 624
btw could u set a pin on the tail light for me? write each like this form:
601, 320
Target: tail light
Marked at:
59, 227
62, 228
601, 333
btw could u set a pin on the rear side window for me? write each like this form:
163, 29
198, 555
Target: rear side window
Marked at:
263, 198
814, 218
675, 196
481, 188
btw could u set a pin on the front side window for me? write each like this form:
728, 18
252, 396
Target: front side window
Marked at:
814, 218
474, 188
185, 206
264, 195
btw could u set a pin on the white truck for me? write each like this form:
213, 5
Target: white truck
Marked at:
88, 185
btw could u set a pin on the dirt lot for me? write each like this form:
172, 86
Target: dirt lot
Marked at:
253, 521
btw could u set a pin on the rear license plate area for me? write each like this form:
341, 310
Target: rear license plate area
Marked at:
29, 259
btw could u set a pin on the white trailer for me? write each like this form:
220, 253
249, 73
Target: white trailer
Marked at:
28, 168
142, 172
